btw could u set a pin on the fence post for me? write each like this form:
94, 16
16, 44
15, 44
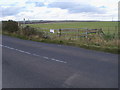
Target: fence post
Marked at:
116, 33
86, 33
108, 31
101, 31
59, 32
78, 33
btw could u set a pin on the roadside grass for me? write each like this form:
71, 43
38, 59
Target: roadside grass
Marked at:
92, 46
109, 28
0, 32
107, 43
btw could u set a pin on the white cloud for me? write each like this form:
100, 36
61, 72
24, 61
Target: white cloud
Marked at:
9, 11
73, 7
40, 9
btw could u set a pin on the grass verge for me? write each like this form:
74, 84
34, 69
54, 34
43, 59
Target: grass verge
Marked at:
115, 50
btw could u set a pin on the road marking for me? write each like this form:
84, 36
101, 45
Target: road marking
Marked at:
58, 60
36, 55
47, 58
27, 53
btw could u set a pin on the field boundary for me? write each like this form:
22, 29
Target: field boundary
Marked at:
90, 38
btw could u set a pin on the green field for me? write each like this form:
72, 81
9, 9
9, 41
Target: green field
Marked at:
107, 41
107, 27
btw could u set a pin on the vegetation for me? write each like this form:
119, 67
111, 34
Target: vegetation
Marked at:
10, 26
107, 42
108, 27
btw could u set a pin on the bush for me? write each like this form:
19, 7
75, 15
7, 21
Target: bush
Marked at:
109, 36
10, 26
33, 33
27, 31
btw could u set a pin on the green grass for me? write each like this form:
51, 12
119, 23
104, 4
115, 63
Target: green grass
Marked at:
0, 32
108, 27
66, 42
107, 43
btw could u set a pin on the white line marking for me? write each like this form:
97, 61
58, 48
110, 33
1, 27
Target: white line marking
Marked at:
32, 54
53, 59
16, 49
58, 60
36, 55
27, 52
46, 57
21, 51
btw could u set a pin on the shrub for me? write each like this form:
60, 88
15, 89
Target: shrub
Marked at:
27, 31
109, 36
33, 33
10, 26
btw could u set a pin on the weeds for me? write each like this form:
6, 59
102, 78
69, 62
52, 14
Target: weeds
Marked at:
107, 43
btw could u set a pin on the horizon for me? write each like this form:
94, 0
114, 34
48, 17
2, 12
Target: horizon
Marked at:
67, 20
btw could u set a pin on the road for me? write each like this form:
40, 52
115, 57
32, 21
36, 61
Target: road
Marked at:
29, 64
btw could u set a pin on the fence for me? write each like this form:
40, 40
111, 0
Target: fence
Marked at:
72, 33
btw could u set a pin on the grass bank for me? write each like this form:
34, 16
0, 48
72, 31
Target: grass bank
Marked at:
91, 46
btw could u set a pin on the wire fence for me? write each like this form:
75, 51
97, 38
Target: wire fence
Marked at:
78, 36
77, 33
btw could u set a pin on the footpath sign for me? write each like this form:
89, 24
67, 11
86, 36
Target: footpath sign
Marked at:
52, 31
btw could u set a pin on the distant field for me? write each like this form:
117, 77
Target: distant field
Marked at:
108, 27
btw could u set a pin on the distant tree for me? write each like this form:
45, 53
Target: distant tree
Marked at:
10, 26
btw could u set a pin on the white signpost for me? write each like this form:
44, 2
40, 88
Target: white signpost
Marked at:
52, 31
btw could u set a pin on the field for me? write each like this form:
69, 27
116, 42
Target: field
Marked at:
106, 40
107, 27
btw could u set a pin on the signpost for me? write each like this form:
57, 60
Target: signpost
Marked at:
52, 31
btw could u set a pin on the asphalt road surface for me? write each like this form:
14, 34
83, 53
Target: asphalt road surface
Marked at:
29, 64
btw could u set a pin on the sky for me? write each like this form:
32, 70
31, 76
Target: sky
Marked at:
103, 10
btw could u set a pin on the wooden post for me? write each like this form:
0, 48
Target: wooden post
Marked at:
86, 33
101, 31
59, 32
108, 31
78, 33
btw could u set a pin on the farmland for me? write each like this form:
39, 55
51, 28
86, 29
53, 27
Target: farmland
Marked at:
72, 34
109, 40
108, 27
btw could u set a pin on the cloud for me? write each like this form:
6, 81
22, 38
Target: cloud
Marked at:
59, 10
76, 7
36, 3
9, 11
102, 7
39, 4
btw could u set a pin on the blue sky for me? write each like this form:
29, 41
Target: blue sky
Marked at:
59, 10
